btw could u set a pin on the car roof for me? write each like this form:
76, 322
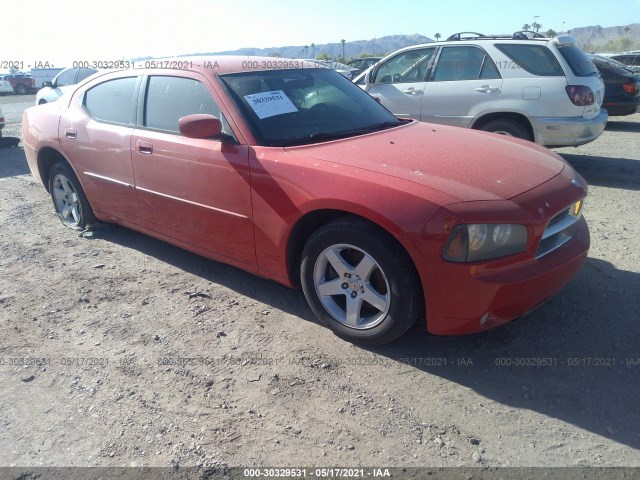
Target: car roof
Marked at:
222, 64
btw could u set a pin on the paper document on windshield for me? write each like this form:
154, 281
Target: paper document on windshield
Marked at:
269, 104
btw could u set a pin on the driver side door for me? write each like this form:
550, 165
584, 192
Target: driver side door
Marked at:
399, 83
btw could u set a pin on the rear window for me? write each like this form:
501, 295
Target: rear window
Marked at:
535, 59
581, 65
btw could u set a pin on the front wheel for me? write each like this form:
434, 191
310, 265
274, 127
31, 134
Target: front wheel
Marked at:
69, 200
21, 89
360, 282
508, 127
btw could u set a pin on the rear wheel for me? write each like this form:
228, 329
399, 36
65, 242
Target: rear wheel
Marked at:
360, 282
508, 127
69, 200
21, 89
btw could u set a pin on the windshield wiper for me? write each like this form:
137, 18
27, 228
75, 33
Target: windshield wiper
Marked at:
335, 135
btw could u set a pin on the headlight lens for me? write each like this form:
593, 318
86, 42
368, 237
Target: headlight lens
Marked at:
474, 242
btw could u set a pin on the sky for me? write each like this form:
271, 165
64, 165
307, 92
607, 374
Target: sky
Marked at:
65, 31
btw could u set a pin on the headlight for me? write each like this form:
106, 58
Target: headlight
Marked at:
473, 242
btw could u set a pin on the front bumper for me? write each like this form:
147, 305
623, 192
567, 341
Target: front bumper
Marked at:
463, 298
567, 132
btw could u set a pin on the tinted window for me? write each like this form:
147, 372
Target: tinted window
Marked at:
68, 77
410, 66
578, 61
170, 98
84, 73
536, 59
112, 101
464, 63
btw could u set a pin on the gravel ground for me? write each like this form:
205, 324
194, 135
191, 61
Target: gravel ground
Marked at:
121, 350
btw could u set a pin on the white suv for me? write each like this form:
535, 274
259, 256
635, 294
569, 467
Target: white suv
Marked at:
541, 89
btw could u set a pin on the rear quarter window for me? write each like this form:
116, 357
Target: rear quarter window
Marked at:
112, 101
580, 64
535, 59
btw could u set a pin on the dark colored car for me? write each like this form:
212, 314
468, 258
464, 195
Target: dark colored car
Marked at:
362, 64
622, 86
21, 83
630, 59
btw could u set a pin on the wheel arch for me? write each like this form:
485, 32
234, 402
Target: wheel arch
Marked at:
47, 157
312, 221
518, 117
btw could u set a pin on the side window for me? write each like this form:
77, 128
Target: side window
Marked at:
536, 59
84, 73
410, 66
170, 98
112, 101
67, 78
464, 63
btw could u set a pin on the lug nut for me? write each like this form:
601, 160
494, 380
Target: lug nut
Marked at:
354, 294
345, 285
347, 275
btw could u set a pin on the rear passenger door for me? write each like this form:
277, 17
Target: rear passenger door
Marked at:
193, 190
464, 84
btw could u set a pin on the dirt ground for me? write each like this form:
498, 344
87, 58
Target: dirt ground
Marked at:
120, 350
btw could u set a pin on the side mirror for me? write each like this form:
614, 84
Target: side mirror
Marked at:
47, 84
200, 125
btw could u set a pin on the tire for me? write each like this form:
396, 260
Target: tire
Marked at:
21, 89
510, 128
349, 263
42, 102
69, 200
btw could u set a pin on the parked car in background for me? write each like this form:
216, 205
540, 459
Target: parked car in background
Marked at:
5, 87
42, 75
296, 174
540, 89
630, 59
361, 64
62, 83
341, 68
21, 83
622, 86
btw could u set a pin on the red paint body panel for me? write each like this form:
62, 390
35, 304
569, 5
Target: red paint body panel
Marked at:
239, 203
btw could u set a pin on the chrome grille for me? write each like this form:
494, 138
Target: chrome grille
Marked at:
558, 232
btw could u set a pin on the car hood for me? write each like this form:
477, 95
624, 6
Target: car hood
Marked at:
467, 164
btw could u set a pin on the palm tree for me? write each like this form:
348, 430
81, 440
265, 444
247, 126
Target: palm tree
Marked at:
343, 41
313, 50
306, 51
526, 27
536, 26
437, 37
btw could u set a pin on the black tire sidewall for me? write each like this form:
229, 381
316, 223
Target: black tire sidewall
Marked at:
396, 265
514, 127
86, 215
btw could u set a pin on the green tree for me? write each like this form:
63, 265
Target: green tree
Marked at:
536, 26
313, 50
526, 26
550, 33
343, 42
626, 30
324, 56
276, 54
437, 37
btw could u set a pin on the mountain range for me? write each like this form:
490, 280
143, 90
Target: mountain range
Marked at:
592, 38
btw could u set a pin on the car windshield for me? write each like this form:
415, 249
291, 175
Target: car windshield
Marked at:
580, 63
294, 107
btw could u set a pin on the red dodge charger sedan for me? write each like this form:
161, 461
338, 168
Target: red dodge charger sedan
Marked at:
293, 173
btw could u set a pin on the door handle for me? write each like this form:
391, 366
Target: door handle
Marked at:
412, 91
144, 147
486, 89
70, 133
